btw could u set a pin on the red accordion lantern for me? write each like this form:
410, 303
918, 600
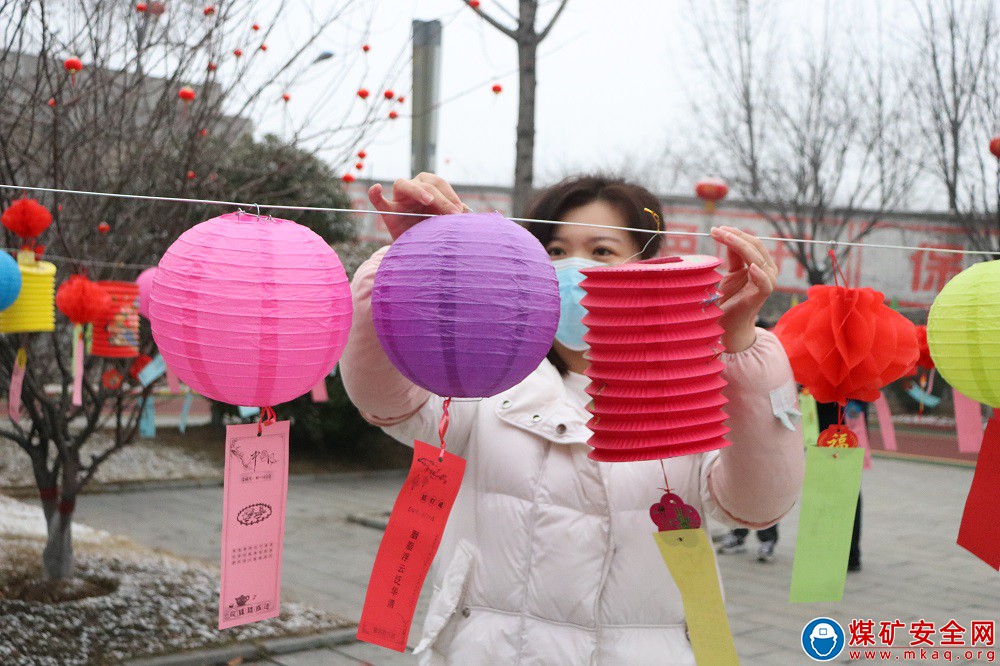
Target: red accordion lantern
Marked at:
116, 334
654, 368
711, 191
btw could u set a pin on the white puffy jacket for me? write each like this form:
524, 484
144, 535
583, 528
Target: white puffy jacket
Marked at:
548, 557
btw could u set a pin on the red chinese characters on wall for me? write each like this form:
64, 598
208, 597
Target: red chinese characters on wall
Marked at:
932, 270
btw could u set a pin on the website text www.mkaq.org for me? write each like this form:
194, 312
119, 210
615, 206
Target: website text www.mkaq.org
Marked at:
924, 654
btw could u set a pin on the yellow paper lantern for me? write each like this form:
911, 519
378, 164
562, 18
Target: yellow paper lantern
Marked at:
34, 310
963, 332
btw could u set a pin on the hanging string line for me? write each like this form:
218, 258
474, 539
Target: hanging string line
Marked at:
244, 205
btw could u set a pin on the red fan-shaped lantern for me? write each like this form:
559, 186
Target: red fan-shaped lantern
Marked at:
388, 94
995, 147
393, 115
73, 65
348, 178
924, 360
497, 88
846, 343
363, 93
187, 94
27, 218
711, 191
83, 302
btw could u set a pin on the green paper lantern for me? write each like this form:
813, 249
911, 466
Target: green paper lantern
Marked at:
963, 332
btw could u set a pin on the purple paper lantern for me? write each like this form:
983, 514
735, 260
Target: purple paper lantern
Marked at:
466, 306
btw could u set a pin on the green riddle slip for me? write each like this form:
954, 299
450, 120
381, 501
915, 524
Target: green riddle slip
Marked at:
810, 418
829, 500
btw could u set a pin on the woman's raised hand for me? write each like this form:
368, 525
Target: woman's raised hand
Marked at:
426, 194
751, 278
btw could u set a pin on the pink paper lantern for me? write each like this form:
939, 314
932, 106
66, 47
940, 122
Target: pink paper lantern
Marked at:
249, 310
145, 282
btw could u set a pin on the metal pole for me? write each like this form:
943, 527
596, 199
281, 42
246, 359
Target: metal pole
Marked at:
426, 79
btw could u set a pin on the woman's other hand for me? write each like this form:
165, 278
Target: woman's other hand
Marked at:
426, 194
751, 278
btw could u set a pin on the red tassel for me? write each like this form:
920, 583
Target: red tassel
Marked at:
979, 532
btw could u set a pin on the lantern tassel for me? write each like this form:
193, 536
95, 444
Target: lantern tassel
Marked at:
16, 380
267, 417
172, 383
978, 530
78, 365
319, 393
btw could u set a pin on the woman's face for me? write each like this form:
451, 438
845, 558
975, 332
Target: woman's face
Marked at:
609, 246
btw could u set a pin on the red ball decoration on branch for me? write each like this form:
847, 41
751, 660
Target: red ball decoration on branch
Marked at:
81, 300
363, 93
187, 94
157, 8
212, 67
362, 154
393, 115
474, 4
388, 94
140, 7
366, 48
348, 178
359, 166
263, 47
238, 53
400, 99
847, 343
208, 11
191, 175
711, 191
995, 147
52, 102
73, 65
497, 88
27, 218
286, 97
103, 228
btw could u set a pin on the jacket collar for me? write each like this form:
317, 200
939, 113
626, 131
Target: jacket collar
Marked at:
541, 406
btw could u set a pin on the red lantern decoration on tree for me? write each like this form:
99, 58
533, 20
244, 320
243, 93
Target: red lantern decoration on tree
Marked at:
83, 302
212, 67
286, 97
348, 178
52, 102
208, 11
27, 218
359, 166
263, 47
497, 88
474, 4
363, 93
388, 94
187, 94
203, 132
401, 99
238, 53
393, 115
140, 7
846, 343
362, 154
157, 8
103, 228
255, 27
711, 191
191, 175
995, 147
366, 48
73, 65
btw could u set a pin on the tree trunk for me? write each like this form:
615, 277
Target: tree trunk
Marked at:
524, 161
57, 558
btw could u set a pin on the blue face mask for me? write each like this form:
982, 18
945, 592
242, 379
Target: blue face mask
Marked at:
571, 327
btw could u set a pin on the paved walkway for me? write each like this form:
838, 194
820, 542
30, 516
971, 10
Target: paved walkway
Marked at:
912, 567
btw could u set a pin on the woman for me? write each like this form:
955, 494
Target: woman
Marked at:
548, 556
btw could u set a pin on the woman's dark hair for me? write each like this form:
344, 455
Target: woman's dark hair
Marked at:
629, 199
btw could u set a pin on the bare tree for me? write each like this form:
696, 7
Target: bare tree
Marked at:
528, 38
119, 126
955, 86
815, 147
